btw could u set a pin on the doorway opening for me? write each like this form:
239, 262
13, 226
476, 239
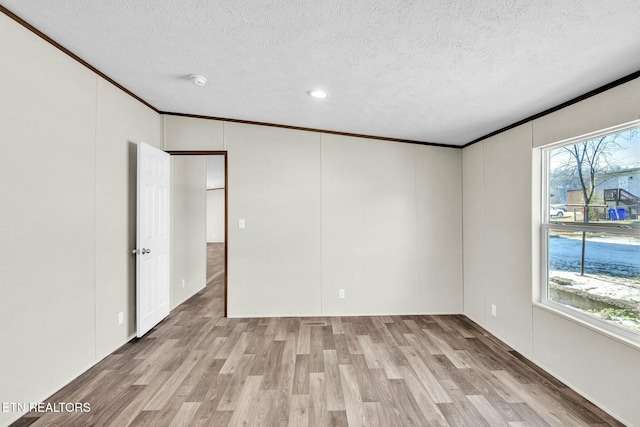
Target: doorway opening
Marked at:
214, 185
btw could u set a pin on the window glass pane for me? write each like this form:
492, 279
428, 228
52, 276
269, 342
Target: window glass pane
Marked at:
596, 181
604, 283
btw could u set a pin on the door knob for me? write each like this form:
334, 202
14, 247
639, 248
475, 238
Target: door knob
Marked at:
146, 251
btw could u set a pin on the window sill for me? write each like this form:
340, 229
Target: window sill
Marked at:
602, 331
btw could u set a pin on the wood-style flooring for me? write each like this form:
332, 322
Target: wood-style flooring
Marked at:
198, 368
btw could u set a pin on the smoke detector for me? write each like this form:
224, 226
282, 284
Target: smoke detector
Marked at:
198, 80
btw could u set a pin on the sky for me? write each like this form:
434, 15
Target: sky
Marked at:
628, 156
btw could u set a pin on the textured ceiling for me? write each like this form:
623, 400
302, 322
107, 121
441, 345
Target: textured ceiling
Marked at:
443, 71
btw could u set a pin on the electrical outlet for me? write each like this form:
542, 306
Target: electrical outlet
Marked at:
120, 318
494, 310
341, 294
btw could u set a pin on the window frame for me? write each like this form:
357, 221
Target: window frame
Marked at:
546, 226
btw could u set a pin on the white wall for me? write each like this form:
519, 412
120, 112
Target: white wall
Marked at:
439, 224
215, 215
188, 231
613, 107
497, 235
391, 227
326, 212
369, 229
501, 255
379, 219
274, 185
473, 219
121, 122
66, 218
216, 198
47, 219
192, 134
507, 219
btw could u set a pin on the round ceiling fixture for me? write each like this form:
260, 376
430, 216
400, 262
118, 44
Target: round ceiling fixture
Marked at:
198, 80
317, 93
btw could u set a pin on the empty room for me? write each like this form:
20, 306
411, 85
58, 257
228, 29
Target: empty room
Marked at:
383, 213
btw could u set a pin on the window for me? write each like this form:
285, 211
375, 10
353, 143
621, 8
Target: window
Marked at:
591, 231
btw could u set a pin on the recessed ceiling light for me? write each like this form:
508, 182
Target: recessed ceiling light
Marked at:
317, 93
198, 80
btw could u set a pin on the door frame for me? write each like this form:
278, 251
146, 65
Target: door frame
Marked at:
226, 209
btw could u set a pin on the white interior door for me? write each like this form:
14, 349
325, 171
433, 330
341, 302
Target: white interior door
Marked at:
152, 253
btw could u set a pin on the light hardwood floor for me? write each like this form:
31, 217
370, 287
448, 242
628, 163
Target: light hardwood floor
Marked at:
198, 368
